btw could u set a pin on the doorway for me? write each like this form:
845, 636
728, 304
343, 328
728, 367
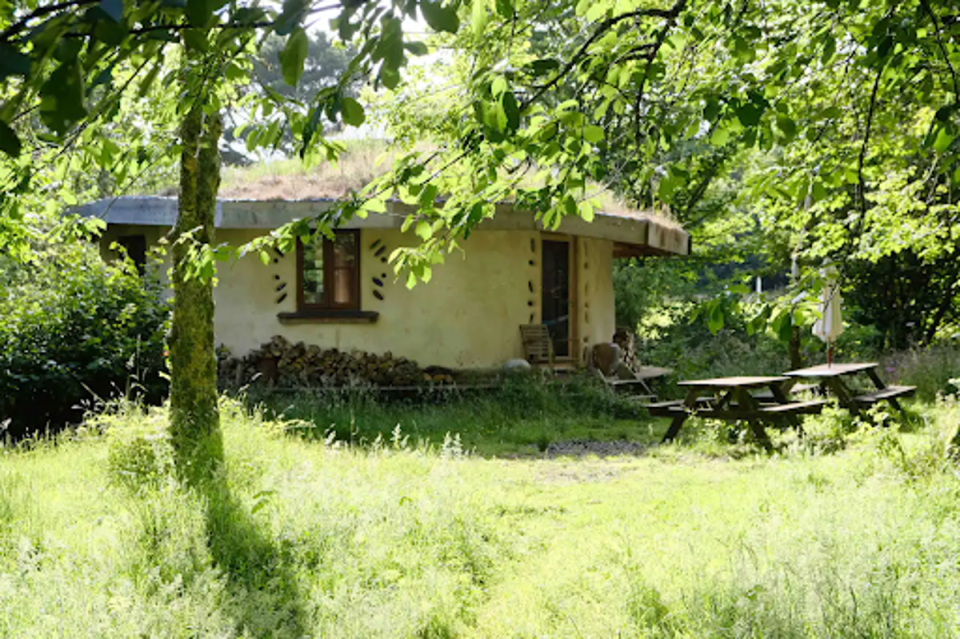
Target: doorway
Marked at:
556, 303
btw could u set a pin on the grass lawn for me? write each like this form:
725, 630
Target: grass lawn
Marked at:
302, 538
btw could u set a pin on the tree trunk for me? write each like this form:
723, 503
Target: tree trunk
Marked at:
796, 357
194, 416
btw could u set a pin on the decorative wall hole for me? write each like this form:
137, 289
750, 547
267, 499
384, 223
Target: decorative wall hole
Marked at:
383, 259
533, 245
276, 277
380, 251
377, 295
530, 303
278, 251
276, 261
378, 281
383, 275
532, 263
531, 319
530, 286
281, 298
281, 286
586, 265
375, 244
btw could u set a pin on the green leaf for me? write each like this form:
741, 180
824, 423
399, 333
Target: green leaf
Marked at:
544, 66
292, 15
416, 48
943, 140
511, 108
389, 77
293, 56
715, 319
12, 62
428, 196
440, 18
478, 20
9, 141
593, 133
719, 136
749, 114
199, 12
196, 39
787, 126
586, 211
505, 8
352, 112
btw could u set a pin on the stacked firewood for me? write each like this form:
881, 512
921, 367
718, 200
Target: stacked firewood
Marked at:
281, 363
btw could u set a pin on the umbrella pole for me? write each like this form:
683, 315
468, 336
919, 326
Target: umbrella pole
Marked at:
829, 354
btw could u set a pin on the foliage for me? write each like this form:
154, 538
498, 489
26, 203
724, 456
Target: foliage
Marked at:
77, 332
929, 369
524, 416
395, 540
323, 67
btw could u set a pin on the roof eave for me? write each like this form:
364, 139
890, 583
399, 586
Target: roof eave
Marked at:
634, 235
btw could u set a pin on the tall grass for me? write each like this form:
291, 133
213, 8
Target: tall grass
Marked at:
929, 369
308, 538
524, 415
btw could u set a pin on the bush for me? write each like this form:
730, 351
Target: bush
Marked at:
75, 332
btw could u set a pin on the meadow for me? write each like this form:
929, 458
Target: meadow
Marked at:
850, 531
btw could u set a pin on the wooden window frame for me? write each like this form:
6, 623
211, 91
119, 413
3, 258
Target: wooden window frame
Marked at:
328, 276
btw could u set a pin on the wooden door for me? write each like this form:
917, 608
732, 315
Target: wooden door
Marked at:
556, 303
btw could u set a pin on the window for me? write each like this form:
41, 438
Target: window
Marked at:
328, 273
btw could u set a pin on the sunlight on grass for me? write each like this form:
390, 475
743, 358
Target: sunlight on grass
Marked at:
302, 537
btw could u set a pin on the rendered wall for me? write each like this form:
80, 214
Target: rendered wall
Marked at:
595, 307
467, 316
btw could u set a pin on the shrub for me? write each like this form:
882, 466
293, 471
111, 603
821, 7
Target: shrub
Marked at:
76, 331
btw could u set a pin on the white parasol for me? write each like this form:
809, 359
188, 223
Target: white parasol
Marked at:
830, 325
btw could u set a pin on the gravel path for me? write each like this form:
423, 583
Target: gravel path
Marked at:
582, 447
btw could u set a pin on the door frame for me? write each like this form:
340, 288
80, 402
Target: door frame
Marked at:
573, 349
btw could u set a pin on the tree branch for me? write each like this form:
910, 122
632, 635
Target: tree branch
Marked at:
943, 52
866, 141
39, 12
603, 27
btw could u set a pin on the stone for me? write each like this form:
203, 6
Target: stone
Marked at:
516, 366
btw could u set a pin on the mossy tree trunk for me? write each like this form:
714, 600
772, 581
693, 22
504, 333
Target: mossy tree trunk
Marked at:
194, 416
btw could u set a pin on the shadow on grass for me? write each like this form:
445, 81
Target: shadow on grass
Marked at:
265, 598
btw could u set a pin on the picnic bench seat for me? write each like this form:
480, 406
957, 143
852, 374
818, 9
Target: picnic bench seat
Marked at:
889, 392
810, 407
670, 407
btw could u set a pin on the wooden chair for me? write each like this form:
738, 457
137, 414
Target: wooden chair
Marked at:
538, 347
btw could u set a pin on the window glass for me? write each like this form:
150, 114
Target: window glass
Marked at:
344, 269
330, 275
313, 289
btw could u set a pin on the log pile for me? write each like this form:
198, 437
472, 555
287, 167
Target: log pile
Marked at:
286, 365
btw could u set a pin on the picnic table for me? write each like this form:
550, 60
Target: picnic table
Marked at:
834, 378
734, 399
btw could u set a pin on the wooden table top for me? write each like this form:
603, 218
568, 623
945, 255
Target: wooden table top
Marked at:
732, 382
832, 370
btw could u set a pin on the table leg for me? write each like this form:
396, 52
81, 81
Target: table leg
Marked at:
674, 429
781, 398
872, 373
748, 403
761, 434
843, 394
689, 403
